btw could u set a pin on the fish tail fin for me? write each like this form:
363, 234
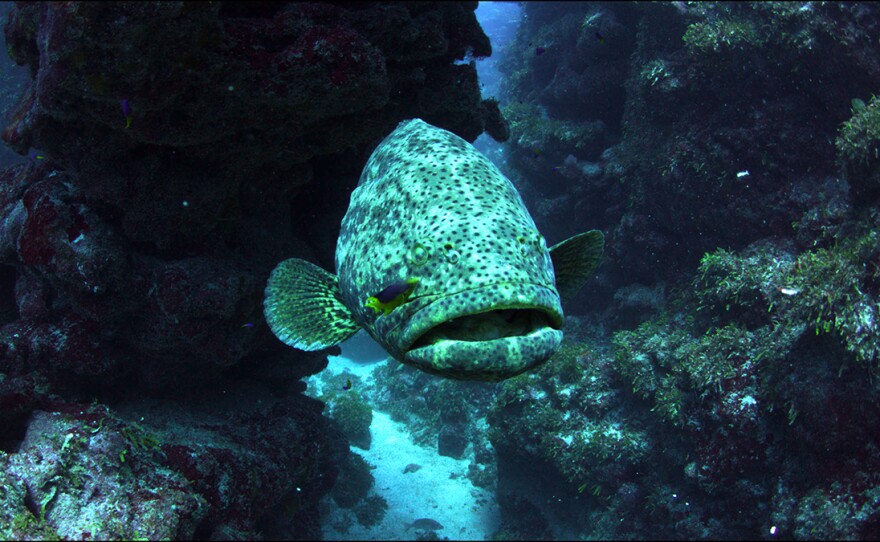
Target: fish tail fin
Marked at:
575, 259
303, 306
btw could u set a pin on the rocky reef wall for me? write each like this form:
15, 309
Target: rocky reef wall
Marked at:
174, 153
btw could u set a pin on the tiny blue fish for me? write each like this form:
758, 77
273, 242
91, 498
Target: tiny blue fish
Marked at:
126, 110
539, 51
34, 154
249, 324
600, 37
347, 385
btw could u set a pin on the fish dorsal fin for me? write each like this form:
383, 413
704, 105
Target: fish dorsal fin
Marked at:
304, 308
574, 261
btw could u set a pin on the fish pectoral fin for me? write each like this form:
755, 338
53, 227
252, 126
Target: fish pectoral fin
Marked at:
575, 259
303, 306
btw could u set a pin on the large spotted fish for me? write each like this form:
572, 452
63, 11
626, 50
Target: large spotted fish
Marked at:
440, 262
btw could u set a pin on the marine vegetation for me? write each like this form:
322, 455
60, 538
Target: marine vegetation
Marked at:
346, 396
733, 363
858, 147
699, 404
446, 415
859, 137
178, 153
828, 290
566, 416
371, 511
354, 416
539, 135
354, 482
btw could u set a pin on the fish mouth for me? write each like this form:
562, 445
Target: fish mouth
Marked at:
490, 333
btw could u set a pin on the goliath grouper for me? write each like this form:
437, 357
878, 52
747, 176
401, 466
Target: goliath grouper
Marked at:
439, 260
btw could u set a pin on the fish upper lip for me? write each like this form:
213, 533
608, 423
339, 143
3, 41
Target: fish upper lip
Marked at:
521, 296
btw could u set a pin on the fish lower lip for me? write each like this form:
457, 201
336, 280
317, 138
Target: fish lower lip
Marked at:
488, 333
488, 359
422, 316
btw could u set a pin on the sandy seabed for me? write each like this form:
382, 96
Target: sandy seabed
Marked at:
439, 490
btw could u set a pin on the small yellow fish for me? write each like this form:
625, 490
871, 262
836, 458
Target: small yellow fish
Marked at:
127, 111
393, 296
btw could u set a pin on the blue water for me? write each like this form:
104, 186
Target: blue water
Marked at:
500, 21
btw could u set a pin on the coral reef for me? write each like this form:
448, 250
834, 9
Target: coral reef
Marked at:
700, 93
354, 481
89, 471
200, 229
718, 380
447, 414
756, 394
708, 138
724, 383
561, 443
174, 154
371, 510
354, 416
439, 404
858, 148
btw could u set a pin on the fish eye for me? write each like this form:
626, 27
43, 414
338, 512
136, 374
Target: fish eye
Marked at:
418, 254
452, 255
523, 247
